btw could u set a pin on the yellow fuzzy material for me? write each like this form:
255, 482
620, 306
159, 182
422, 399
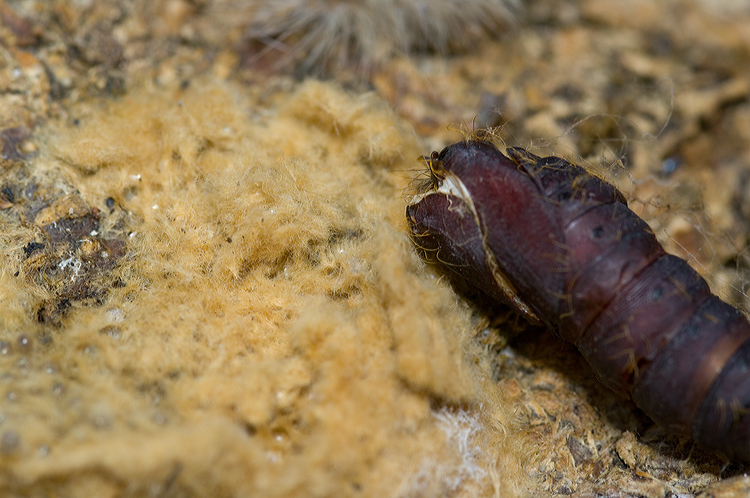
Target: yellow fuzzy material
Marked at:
275, 333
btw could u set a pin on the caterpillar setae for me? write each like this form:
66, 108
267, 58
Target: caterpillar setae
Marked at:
561, 246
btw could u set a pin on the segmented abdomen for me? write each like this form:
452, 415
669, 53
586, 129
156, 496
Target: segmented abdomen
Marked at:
562, 246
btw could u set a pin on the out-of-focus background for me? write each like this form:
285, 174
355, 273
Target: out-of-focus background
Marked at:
207, 286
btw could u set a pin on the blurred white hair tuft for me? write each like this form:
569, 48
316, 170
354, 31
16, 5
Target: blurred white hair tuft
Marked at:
315, 36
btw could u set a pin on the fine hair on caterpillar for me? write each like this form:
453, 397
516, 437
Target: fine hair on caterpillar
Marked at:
562, 247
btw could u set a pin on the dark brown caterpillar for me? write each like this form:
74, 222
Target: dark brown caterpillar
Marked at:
562, 247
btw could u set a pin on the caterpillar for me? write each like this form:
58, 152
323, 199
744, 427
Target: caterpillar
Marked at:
562, 247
